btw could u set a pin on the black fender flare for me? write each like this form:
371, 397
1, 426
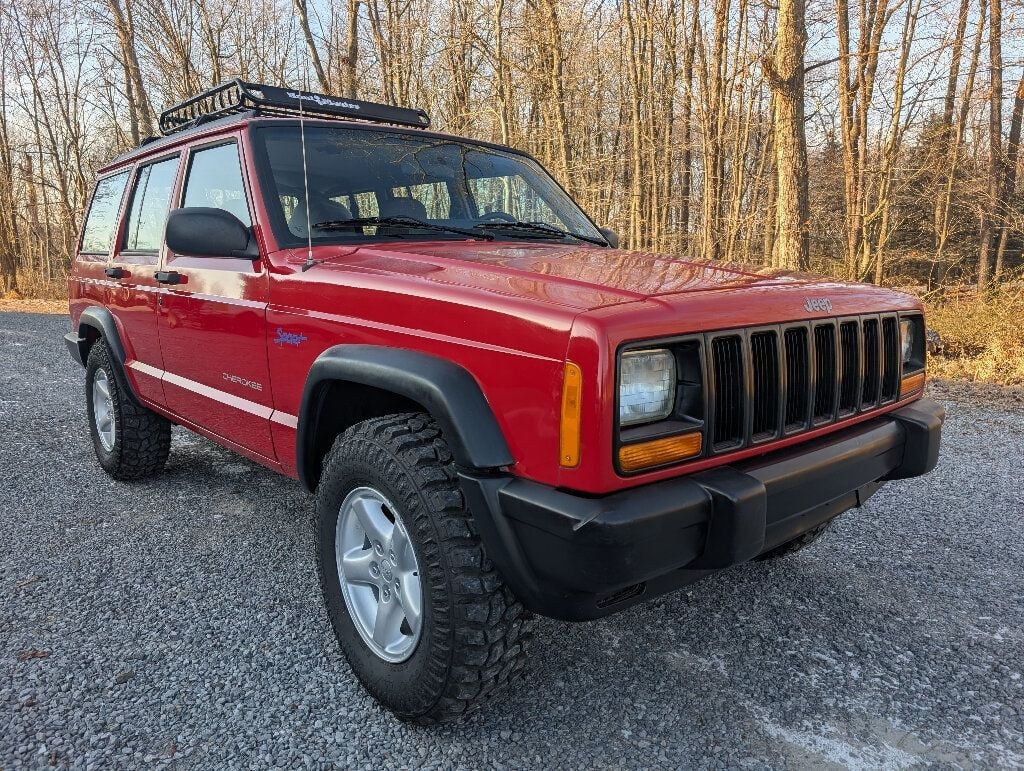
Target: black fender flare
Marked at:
444, 389
102, 320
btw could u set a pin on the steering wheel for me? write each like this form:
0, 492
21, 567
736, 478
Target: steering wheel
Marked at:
499, 216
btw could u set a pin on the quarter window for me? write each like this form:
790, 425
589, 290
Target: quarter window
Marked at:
100, 223
215, 180
147, 217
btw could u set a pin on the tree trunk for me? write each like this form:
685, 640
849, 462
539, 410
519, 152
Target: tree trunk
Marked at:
961, 129
314, 54
1010, 182
948, 106
351, 50
792, 211
992, 219
125, 30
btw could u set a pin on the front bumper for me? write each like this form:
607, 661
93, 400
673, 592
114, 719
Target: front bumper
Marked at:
575, 558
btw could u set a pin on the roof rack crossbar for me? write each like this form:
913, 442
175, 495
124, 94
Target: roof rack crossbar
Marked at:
237, 96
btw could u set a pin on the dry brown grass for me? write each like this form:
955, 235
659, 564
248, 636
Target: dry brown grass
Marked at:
983, 334
10, 304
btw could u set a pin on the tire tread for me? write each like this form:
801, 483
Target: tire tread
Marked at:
482, 644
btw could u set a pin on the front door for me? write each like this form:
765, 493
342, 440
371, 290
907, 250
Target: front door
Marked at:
213, 320
133, 293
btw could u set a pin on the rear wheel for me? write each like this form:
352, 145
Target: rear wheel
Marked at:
131, 442
420, 612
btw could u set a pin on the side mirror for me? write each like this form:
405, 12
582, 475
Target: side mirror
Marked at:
200, 231
611, 237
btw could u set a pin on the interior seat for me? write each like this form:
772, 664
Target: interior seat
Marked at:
323, 210
402, 207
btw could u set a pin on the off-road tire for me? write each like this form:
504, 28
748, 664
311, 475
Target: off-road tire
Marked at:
142, 439
475, 632
798, 543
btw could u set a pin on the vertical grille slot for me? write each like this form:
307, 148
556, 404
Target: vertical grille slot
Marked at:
764, 360
824, 373
849, 365
727, 361
872, 370
890, 358
797, 378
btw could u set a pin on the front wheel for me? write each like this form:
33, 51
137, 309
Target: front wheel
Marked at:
420, 612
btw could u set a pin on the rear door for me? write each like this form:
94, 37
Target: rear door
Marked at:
213, 322
89, 282
133, 294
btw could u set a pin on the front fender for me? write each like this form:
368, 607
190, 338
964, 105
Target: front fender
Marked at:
444, 389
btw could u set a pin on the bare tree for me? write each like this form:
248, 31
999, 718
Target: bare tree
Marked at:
786, 76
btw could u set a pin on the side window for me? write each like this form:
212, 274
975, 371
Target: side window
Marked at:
150, 200
215, 180
101, 221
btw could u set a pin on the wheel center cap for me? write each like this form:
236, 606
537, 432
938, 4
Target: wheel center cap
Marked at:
387, 570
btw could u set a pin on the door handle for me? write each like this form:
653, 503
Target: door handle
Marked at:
168, 277
114, 272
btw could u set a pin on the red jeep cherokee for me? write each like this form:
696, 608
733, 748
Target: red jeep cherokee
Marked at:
498, 410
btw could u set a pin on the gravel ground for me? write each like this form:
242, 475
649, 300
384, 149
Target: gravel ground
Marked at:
177, 623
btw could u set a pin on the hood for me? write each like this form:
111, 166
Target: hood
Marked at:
578, 277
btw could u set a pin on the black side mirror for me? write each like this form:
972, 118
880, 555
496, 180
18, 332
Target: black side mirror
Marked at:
611, 237
200, 231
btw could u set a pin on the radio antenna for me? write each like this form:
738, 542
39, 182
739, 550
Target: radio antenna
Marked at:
309, 263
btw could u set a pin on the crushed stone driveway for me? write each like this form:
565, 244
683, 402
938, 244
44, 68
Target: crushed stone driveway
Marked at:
177, 622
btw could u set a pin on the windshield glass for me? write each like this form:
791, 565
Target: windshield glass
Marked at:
359, 173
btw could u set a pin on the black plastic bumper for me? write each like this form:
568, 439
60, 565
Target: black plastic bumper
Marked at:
575, 558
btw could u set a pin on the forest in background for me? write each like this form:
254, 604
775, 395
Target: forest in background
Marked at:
874, 140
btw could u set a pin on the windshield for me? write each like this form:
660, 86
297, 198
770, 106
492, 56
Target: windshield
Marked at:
356, 173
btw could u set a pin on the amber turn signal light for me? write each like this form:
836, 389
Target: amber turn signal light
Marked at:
911, 383
633, 457
569, 434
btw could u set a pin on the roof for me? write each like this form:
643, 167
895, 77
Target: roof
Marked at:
184, 136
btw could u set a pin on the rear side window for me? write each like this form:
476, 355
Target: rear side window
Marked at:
101, 221
150, 200
215, 180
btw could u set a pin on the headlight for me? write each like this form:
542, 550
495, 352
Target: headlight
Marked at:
647, 386
907, 341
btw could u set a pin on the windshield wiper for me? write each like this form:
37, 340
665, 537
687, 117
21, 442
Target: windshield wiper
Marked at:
539, 227
400, 221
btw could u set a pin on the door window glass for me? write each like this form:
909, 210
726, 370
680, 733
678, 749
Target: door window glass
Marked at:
215, 180
147, 217
98, 233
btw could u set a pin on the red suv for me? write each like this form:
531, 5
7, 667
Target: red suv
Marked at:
499, 412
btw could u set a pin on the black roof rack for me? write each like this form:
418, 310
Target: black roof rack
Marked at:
237, 96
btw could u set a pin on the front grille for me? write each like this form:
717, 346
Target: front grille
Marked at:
770, 382
890, 358
849, 373
824, 373
798, 363
764, 358
727, 363
872, 371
